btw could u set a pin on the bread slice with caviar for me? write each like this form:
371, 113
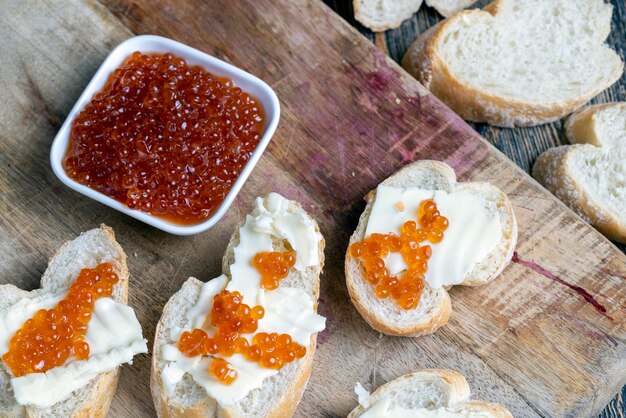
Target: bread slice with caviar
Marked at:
434, 307
88, 250
518, 62
279, 394
435, 392
589, 176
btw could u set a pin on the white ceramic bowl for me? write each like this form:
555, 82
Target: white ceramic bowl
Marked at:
157, 44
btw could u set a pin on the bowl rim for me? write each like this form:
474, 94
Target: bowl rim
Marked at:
271, 107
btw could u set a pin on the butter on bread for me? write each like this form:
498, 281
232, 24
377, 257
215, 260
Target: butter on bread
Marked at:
518, 62
88, 250
434, 308
428, 391
590, 175
279, 394
380, 15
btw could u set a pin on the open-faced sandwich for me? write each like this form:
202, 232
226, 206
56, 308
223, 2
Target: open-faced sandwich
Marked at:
62, 344
422, 232
242, 344
435, 393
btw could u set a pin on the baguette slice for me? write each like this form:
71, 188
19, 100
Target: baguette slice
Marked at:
380, 15
518, 62
590, 176
88, 250
280, 394
433, 310
431, 389
449, 7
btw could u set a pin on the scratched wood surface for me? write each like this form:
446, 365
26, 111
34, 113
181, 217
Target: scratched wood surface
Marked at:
547, 338
522, 145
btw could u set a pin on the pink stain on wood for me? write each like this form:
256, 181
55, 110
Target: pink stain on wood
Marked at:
588, 297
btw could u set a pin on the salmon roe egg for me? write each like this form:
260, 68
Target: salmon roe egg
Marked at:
164, 137
51, 336
221, 370
406, 289
232, 318
273, 267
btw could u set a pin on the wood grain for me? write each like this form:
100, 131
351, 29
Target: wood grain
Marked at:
350, 118
522, 145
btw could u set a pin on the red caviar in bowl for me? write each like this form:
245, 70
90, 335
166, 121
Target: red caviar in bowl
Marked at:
51, 336
164, 137
406, 289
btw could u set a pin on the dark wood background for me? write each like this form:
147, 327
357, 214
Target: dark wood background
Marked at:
521, 145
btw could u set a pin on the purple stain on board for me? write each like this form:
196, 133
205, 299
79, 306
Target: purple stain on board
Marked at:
588, 297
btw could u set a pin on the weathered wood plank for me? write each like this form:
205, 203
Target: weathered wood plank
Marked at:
350, 118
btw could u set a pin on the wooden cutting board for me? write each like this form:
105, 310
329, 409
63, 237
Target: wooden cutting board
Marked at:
547, 338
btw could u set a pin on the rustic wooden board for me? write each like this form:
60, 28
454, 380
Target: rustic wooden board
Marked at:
522, 145
531, 340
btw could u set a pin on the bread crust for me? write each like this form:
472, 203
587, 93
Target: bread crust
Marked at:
284, 407
552, 170
456, 384
473, 104
355, 272
104, 386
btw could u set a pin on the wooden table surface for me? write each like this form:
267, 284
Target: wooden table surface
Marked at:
546, 338
521, 145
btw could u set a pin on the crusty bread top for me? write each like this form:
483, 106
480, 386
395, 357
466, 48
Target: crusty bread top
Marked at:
87, 250
279, 395
433, 310
429, 389
518, 62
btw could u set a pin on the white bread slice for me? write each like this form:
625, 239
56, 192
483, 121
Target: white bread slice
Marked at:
449, 7
88, 250
430, 389
590, 176
433, 311
380, 15
518, 62
280, 394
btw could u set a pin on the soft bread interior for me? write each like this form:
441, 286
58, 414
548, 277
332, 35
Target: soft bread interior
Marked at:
434, 307
449, 7
533, 51
280, 392
88, 250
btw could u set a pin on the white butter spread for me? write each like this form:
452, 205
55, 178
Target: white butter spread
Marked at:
362, 394
383, 409
287, 310
473, 231
113, 334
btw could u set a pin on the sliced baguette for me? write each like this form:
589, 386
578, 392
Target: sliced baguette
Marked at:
380, 15
88, 250
518, 62
431, 389
449, 7
590, 176
433, 311
280, 394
